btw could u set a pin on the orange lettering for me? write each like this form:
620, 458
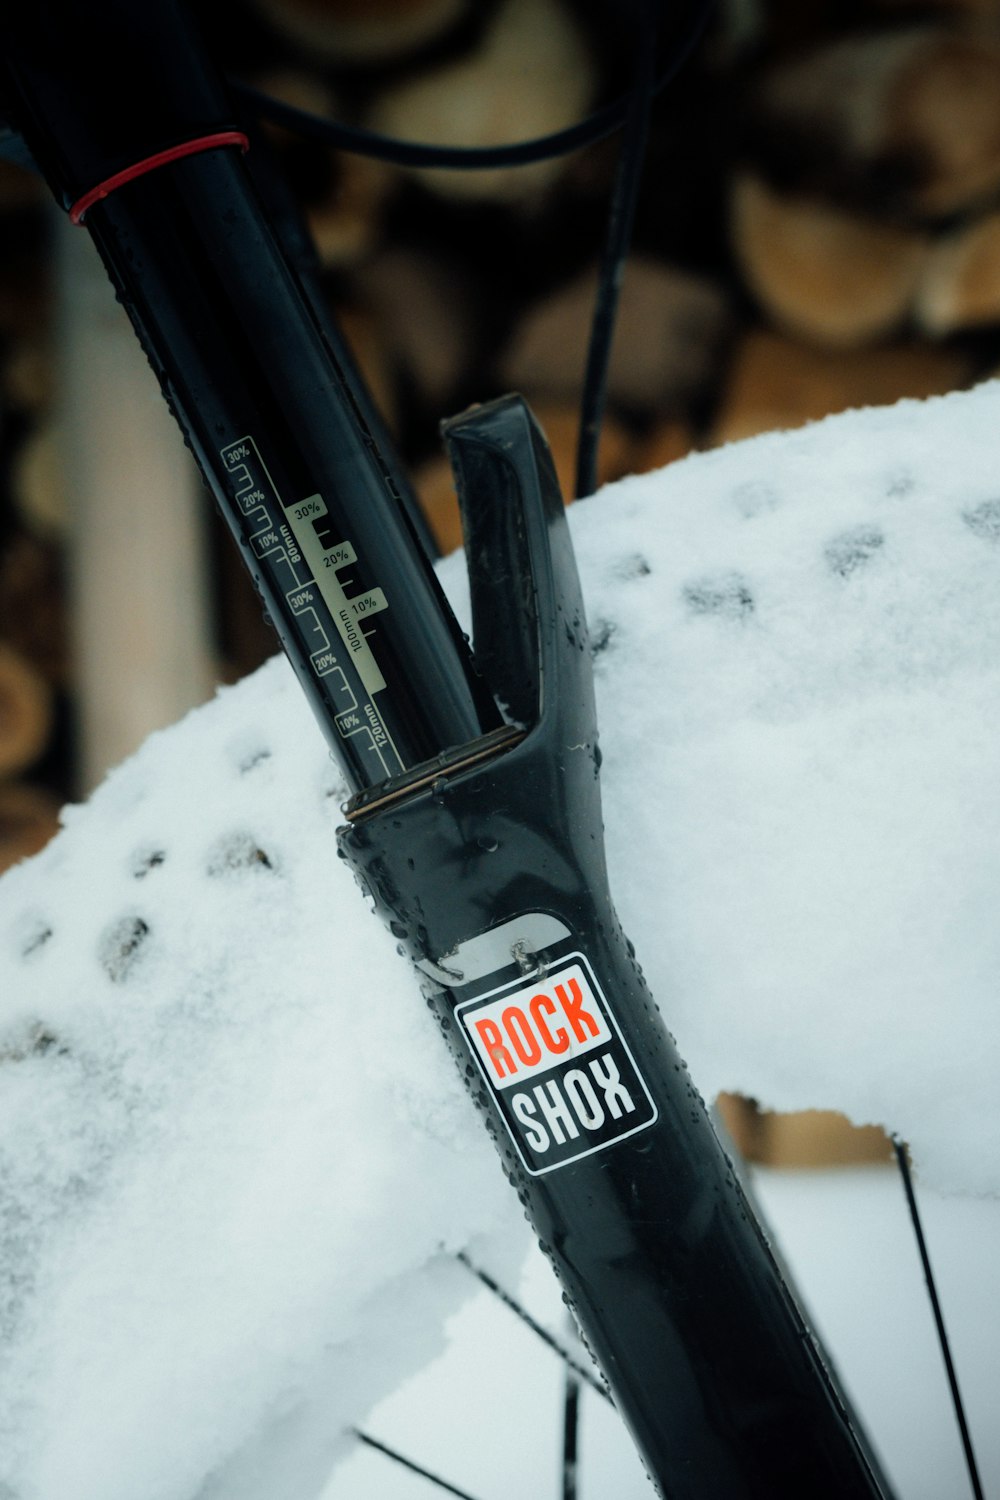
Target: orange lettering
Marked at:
522, 1038
560, 1040
582, 1022
501, 1059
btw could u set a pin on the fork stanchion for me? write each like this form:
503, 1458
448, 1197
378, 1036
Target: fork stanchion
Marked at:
112, 96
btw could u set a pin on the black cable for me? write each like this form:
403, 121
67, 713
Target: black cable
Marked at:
355, 138
362, 142
621, 217
632, 110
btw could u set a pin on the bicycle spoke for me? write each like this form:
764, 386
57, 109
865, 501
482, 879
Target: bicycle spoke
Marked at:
536, 1327
942, 1333
408, 1463
571, 1435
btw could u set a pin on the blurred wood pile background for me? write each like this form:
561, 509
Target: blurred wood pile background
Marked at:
819, 228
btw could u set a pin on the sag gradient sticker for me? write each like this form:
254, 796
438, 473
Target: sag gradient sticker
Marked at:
562, 1077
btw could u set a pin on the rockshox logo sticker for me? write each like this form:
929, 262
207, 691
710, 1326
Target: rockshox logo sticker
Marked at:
560, 1072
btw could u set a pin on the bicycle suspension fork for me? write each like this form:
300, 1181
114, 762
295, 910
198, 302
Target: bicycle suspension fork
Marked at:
476, 833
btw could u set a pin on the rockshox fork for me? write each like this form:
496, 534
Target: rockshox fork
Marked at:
475, 824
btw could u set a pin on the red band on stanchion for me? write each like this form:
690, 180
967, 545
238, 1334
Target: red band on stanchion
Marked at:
150, 164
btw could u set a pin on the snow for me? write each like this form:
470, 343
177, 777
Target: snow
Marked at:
235, 1162
848, 1235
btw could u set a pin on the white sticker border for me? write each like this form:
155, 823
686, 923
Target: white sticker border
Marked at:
562, 962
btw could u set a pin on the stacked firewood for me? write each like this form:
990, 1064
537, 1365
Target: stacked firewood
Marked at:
815, 230
864, 211
34, 667
454, 285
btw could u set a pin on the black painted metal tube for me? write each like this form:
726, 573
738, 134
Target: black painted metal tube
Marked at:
288, 220
251, 378
494, 878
